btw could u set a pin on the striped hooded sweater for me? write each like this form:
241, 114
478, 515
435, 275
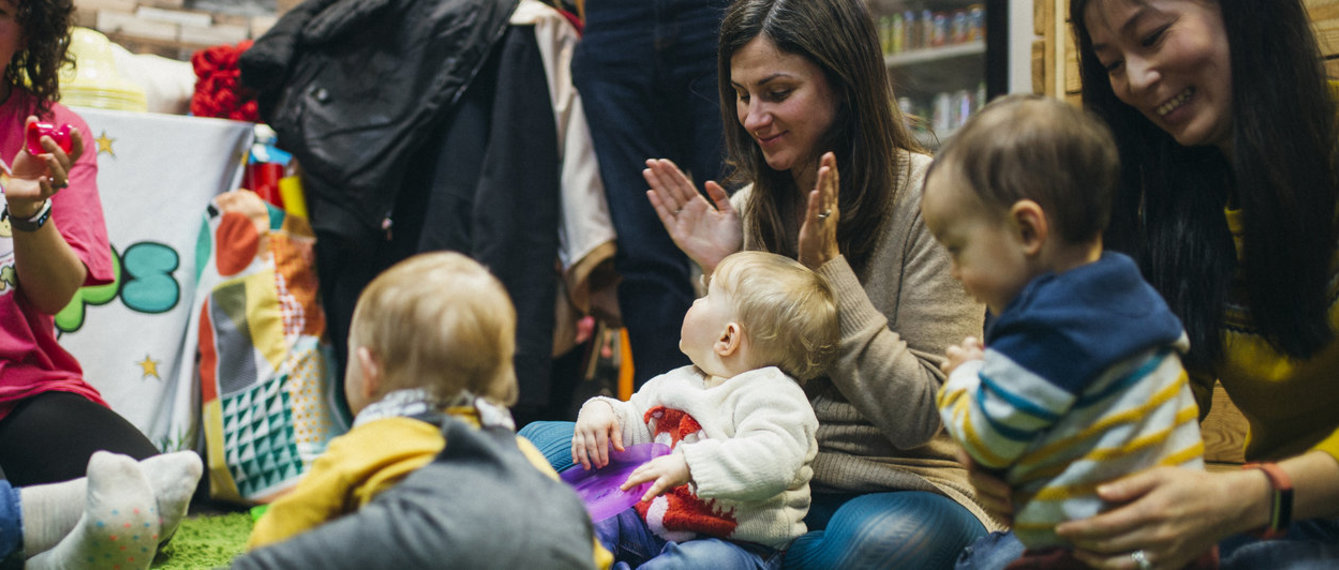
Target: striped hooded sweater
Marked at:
1081, 383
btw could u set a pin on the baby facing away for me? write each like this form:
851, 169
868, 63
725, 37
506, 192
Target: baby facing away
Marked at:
430, 354
735, 485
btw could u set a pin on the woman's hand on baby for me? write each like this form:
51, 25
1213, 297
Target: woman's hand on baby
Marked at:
705, 231
668, 472
970, 349
1171, 514
597, 428
33, 179
818, 233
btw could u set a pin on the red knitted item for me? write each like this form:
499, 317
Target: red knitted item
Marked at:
218, 93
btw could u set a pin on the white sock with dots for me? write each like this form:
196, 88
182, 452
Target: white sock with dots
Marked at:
119, 528
51, 511
173, 477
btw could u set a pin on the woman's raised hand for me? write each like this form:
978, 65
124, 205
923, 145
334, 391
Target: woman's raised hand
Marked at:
705, 231
818, 234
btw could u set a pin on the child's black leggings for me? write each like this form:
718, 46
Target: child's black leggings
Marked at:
49, 438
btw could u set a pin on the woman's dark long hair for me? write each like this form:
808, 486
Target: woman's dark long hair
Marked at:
1281, 174
868, 129
46, 33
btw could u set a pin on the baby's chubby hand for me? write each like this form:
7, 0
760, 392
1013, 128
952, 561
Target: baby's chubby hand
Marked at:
597, 427
970, 349
668, 472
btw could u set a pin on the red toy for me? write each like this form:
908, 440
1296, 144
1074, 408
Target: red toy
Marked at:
59, 134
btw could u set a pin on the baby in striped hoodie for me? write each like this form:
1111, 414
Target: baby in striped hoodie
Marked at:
1080, 379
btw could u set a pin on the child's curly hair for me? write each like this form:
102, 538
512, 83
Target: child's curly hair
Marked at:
46, 36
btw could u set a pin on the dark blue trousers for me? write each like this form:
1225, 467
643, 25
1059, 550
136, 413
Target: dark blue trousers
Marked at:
646, 71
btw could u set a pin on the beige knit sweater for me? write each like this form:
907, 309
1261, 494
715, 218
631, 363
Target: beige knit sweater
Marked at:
879, 429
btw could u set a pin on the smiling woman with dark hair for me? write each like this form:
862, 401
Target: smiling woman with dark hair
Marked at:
1226, 129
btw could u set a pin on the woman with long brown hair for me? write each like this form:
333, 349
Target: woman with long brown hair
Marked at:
805, 96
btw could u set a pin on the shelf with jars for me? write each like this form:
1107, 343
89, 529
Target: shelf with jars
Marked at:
935, 52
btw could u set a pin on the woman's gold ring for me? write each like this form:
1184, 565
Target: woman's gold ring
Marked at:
1141, 560
824, 214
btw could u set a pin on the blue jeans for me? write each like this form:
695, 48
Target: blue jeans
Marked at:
553, 439
1310, 544
898, 529
907, 529
11, 527
634, 545
646, 71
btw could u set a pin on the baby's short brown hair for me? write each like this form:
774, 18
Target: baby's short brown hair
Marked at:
1029, 147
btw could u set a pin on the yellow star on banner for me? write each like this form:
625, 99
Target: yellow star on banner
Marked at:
150, 367
105, 144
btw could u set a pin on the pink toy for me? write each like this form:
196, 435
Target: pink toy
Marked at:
599, 488
59, 134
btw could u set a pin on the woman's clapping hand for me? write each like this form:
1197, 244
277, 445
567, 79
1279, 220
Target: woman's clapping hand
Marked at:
705, 231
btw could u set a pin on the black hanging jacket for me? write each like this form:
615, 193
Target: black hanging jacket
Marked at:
354, 87
431, 120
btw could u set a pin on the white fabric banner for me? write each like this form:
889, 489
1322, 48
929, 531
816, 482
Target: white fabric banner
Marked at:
156, 175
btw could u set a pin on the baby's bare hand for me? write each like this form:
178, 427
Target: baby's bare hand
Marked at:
668, 472
970, 349
597, 428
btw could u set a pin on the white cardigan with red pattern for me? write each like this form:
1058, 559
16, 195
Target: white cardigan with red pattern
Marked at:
749, 441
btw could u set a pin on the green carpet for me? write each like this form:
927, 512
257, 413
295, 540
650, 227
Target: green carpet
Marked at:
205, 541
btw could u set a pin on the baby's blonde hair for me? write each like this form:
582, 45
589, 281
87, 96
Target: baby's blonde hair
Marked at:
788, 312
439, 322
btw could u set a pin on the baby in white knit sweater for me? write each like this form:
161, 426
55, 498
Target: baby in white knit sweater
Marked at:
741, 430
